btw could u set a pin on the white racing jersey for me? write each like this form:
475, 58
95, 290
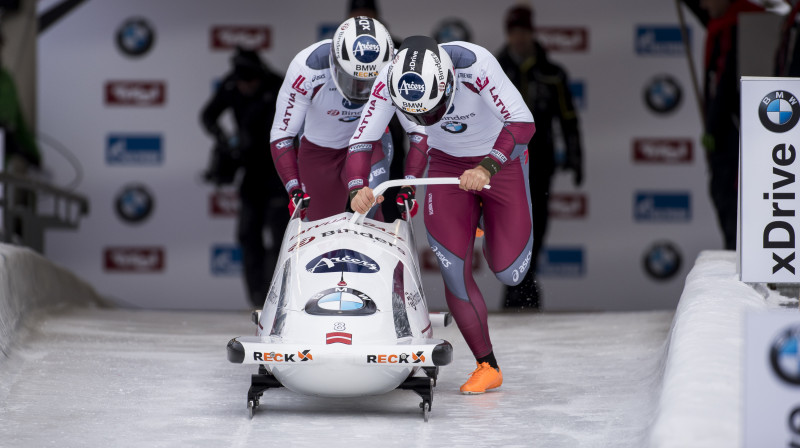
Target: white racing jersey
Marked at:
484, 101
309, 96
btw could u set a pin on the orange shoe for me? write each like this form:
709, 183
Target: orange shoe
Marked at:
485, 377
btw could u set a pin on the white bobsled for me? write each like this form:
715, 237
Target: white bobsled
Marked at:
345, 314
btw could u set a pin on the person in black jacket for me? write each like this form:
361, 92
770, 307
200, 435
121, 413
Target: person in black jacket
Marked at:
721, 100
544, 86
787, 55
250, 91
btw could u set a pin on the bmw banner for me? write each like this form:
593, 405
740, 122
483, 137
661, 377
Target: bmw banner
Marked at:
769, 165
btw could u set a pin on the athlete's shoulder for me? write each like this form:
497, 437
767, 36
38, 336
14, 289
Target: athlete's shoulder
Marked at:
466, 55
314, 56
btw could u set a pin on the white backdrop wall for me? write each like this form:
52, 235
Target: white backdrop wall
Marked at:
645, 179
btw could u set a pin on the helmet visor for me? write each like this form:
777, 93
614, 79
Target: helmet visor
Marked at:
430, 117
355, 89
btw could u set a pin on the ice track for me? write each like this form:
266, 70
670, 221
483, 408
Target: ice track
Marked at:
93, 377
99, 378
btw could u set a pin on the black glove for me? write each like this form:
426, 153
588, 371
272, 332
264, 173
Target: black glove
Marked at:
406, 202
298, 199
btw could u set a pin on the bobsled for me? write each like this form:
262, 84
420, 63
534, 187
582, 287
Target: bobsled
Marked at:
345, 314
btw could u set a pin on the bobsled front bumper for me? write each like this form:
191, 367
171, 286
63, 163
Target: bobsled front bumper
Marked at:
412, 352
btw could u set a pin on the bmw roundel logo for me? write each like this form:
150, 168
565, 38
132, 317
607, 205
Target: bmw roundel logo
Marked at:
662, 260
663, 94
340, 300
784, 355
135, 37
779, 111
366, 49
454, 127
411, 86
134, 203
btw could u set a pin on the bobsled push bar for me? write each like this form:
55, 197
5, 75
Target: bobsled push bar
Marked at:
380, 189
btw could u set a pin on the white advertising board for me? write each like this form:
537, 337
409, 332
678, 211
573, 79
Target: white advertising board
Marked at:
772, 379
769, 166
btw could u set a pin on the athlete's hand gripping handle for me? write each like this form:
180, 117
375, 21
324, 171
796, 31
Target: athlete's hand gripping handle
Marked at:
406, 202
298, 199
377, 193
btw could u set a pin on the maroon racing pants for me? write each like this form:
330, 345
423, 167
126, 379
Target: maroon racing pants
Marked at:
323, 177
451, 218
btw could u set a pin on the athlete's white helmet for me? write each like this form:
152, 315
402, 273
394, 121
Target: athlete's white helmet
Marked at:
422, 80
360, 47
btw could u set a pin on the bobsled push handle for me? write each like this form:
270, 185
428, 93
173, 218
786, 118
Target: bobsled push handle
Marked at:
383, 186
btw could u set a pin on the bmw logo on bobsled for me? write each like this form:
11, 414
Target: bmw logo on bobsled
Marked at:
345, 314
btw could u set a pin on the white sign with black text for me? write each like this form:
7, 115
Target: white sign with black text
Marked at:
769, 165
772, 379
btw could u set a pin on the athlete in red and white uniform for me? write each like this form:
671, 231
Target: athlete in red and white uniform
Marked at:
322, 97
478, 127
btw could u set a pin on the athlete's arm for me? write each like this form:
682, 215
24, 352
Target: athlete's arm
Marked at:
505, 101
293, 102
371, 126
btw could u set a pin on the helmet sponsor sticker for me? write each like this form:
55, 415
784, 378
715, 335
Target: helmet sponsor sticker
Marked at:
366, 49
411, 86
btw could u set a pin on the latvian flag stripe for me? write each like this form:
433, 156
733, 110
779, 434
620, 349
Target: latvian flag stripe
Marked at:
341, 338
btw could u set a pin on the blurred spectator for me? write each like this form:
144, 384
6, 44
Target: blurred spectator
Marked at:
721, 105
249, 90
369, 8
787, 57
452, 29
21, 151
545, 87
366, 8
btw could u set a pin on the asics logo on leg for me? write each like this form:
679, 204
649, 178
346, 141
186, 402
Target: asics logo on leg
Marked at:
442, 259
522, 268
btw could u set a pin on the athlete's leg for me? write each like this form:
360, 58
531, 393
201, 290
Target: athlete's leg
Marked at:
451, 217
507, 223
320, 171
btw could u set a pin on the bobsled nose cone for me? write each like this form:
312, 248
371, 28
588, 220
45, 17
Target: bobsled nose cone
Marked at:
235, 351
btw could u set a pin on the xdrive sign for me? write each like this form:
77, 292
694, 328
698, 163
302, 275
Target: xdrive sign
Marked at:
769, 165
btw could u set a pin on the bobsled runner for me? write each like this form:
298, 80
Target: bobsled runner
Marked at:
345, 314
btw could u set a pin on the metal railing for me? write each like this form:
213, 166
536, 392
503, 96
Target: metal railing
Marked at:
29, 207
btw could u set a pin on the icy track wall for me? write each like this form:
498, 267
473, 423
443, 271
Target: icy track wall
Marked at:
701, 402
30, 283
